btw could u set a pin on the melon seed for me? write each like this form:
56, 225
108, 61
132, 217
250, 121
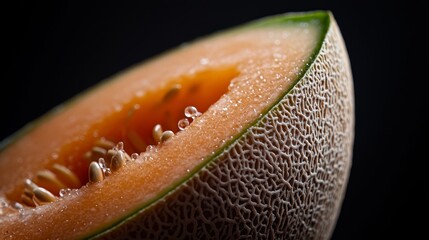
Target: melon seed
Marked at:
157, 133
95, 173
30, 185
166, 135
28, 200
28, 192
42, 196
97, 152
118, 160
104, 143
49, 180
66, 176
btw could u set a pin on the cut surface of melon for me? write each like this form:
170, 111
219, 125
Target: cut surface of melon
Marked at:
238, 80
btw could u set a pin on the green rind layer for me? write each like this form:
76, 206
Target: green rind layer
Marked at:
320, 18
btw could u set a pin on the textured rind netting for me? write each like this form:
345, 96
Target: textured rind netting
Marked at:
283, 179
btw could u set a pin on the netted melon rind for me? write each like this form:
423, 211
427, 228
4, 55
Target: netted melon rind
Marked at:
285, 178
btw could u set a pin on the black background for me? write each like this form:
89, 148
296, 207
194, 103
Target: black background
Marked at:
52, 52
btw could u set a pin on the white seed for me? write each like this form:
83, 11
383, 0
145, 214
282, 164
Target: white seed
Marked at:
30, 185
118, 160
97, 152
109, 155
95, 173
166, 135
104, 143
66, 176
157, 133
49, 180
28, 192
42, 196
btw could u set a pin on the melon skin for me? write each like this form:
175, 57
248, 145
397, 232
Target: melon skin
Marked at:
284, 178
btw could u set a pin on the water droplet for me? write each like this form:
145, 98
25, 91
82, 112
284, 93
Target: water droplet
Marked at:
107, 172
134, 156
144, 155
21, 212
192, 112
65, 191
183, 123
151, 148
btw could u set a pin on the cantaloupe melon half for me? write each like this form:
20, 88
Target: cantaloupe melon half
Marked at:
269, 158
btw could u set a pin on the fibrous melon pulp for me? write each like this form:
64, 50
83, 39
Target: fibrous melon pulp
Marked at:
247, 133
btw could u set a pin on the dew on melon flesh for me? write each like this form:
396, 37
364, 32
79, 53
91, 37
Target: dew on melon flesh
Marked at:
247, 133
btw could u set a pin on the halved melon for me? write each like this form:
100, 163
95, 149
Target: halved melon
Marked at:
269, 157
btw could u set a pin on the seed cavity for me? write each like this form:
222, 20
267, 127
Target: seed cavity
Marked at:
104, 157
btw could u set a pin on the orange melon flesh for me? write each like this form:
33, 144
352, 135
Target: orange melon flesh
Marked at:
232, 77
